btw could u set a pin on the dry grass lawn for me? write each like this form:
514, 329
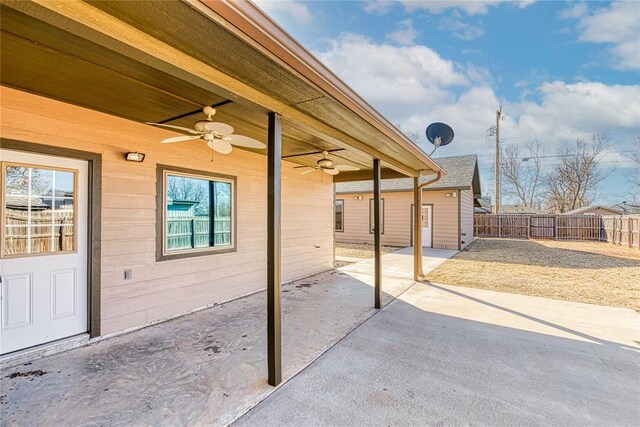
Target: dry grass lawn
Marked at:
590, 272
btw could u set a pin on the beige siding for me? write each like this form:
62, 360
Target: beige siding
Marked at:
466, 217
446, 233
397, 215
163, 289
397, 218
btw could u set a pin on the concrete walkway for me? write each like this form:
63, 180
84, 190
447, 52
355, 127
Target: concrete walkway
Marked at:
205, 368
445, 355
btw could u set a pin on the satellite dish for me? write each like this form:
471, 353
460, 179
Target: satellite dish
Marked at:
439, 134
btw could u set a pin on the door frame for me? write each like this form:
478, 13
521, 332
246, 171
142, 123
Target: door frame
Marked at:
94, 222
411, 227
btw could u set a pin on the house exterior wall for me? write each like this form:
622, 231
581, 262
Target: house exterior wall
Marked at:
162, 289
397, 218
466, 217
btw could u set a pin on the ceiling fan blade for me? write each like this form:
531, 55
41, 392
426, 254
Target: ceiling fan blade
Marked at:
347, 168
331, 171
222, 147
180, 128
298, 167
179, 139
309, 171
220, 128
245, 141
312, 152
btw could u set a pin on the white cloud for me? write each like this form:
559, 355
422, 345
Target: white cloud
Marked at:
470, 7
617, 26
461, 29
414, 86
405, 34
379, 7
286, 9
397, 79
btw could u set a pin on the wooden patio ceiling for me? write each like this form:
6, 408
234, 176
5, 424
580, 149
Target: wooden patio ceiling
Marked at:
71, 52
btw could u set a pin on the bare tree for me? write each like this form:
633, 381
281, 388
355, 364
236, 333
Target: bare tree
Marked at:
635, 170
522, 171
574, 181
189, 189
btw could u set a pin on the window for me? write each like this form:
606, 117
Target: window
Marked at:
38, 212
198, 213
372, 220
339, 222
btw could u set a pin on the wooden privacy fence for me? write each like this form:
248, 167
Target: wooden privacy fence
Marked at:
620, 230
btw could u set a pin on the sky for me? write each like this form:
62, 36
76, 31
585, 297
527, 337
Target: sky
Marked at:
561, 70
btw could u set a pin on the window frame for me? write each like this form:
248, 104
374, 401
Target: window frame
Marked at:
335, 213
162, 254
3, 176
371, 231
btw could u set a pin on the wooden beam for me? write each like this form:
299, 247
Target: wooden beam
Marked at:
274, 197
377, 232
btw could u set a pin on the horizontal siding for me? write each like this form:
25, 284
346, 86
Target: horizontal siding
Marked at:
466, 217
163, 289
397, 219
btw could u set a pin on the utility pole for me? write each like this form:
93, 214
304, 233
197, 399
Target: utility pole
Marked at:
497, 177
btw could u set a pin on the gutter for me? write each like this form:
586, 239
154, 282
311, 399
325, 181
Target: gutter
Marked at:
418, 273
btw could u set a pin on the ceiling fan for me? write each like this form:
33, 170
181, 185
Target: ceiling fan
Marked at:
327, 166
219, 136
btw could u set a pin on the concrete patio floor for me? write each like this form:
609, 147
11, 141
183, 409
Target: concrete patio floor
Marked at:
446, 355
208, 367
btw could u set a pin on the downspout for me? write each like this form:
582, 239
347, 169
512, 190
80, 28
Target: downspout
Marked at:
418, 275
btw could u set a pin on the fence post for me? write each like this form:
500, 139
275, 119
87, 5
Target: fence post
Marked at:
193, 232
555, 228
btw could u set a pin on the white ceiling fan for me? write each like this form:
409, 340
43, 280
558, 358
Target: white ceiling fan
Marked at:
219, 136
327, 166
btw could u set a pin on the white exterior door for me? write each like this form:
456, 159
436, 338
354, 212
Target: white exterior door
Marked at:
427, 226
43, 253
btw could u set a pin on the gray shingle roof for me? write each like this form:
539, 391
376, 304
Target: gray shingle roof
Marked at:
462, 174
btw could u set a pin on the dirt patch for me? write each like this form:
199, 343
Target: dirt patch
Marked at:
358, 250
590, 272
34, 374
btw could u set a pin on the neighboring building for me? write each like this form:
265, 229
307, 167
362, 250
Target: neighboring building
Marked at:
447, 210
627, 208
595, 210
519, 209
112, 250
482, 205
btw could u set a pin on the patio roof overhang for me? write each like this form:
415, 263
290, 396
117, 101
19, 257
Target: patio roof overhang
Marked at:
170, 58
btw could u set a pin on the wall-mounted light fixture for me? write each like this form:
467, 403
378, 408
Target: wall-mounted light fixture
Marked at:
358, 197
452, 194
134, 156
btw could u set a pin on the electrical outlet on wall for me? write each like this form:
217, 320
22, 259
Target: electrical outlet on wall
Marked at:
128, 274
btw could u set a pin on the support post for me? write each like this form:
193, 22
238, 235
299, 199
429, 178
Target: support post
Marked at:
377, 232
274, 176
417, 230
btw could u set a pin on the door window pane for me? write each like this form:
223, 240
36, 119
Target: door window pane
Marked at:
425, 216
38, 210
